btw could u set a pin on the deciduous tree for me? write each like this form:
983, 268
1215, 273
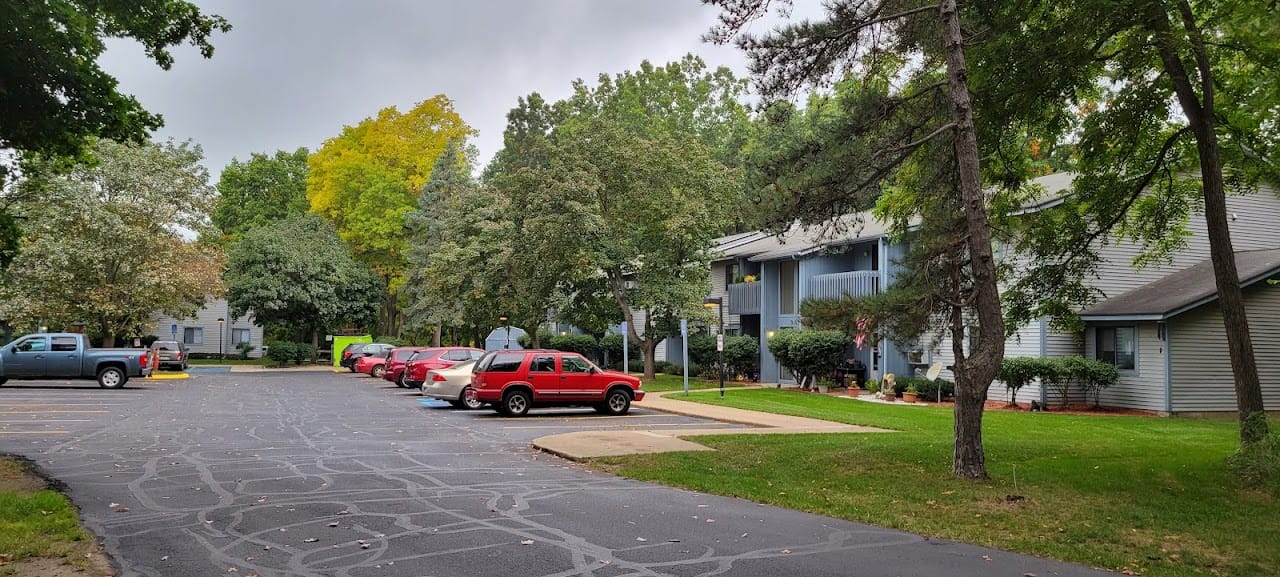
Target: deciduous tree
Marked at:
260, 190
297, 275
103, 244
367, 180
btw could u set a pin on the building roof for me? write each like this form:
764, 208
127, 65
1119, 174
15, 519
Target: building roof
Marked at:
1183, 290
802, 240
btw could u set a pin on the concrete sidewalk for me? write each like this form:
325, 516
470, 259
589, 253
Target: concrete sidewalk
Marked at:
589, 444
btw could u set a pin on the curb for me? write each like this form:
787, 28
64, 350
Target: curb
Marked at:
167, 377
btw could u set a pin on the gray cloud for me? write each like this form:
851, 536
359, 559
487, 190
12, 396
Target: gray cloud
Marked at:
293, 72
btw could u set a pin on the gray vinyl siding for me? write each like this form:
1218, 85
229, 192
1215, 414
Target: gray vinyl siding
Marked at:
720, 289
1144, 387
1201, 366
1252, 229
1024, 343
639, 317
207, 319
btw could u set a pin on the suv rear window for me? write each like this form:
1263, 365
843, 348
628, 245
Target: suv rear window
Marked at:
503, 363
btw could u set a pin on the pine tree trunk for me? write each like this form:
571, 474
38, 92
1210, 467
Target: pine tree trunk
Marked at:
1199, 110
975, 373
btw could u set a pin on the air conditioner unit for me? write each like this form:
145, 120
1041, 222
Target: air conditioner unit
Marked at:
628, 284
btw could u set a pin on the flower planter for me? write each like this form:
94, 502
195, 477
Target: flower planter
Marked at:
854, 391
908, 397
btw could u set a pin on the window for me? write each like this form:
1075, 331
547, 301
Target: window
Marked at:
1117, 346
575, 364
240, 336
543, 364
788, 287
193, 335
505, 363
730, 274
32, 345
63, 344
457, 355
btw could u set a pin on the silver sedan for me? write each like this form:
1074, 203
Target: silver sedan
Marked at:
452, 384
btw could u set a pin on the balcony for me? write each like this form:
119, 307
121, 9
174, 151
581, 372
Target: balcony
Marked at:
861, 283
744, 298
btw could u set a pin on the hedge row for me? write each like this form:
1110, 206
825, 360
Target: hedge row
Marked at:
282, 353
1058, 374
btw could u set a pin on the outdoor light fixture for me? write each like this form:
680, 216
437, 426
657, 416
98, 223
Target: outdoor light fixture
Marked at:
718, 303
220, 325
506, 321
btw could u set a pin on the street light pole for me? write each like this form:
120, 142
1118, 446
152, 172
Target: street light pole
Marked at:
718, 303
506, 321
221, 324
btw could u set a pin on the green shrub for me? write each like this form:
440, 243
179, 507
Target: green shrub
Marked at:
393, 341
281, 353
585, 345
873, 386
1091, 376
742, 355
303, 352
611, 344
780, 347
926, 388
702, 348
635, 365
673, 369
813, 354
1018, 372
245, 349
1055, 374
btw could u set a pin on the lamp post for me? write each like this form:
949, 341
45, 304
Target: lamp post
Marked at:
506, 322
221, 324
718, 304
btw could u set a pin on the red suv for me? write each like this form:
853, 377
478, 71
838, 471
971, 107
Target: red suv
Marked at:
514, 381
415, 369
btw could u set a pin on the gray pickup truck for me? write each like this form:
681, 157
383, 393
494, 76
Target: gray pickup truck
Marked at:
67, 356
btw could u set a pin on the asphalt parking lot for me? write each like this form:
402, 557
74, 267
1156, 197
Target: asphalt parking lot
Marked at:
325, 474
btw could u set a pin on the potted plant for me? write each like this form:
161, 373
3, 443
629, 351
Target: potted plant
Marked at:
909, 395
854, 390
824, 385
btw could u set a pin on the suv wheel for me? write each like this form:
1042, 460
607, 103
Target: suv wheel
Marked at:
516, 403
616, 403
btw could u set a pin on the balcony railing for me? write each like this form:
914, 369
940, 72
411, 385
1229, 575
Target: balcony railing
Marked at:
860, 283
744, 298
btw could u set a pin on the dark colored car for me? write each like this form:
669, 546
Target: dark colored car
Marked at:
350, 355
171, 353
515, 381
435, 358
394, 369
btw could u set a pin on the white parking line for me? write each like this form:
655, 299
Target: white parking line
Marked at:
43, 421
2, 404
44, 412
35, 432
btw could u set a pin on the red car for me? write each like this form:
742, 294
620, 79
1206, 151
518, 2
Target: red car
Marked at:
515, 381
435, 358
373, 364
396, 360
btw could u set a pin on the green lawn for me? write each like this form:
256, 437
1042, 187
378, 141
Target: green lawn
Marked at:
664, 382
1147, 494
37, 523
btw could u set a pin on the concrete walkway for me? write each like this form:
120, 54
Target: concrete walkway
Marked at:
589, 444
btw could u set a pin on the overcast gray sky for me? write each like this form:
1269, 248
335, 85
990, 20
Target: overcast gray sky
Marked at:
292, 72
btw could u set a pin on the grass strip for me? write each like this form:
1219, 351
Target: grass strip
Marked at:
1148, 495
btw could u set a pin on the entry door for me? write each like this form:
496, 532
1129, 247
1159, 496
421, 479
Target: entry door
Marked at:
63, 359
26, 358
542, 375
576, 378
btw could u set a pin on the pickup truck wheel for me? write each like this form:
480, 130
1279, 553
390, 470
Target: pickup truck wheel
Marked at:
617, 403
469, 399
111, 378
516, 403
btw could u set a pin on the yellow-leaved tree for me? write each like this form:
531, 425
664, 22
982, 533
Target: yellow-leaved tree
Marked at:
367, 179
